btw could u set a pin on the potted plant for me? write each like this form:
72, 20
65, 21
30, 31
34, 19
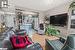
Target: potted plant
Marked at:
72, 5
50, 30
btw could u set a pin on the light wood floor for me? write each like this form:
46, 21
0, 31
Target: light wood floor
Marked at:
41, 39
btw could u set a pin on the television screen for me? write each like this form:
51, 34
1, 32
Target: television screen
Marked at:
59, 20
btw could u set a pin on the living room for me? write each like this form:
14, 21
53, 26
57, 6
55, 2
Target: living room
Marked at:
37, 24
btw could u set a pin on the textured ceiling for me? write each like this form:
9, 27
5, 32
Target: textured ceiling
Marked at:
41, 5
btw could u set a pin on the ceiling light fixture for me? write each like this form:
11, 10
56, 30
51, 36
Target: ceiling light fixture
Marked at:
4, 4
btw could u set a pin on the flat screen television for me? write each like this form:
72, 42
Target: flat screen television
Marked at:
59, 20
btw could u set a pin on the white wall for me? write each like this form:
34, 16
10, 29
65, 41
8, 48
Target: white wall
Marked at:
41, 17
58, 10
11, 7
9, 19
0, 18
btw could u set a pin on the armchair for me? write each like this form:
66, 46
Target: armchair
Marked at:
60, 44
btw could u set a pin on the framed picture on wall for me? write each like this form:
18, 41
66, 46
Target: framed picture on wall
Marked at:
73, 12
